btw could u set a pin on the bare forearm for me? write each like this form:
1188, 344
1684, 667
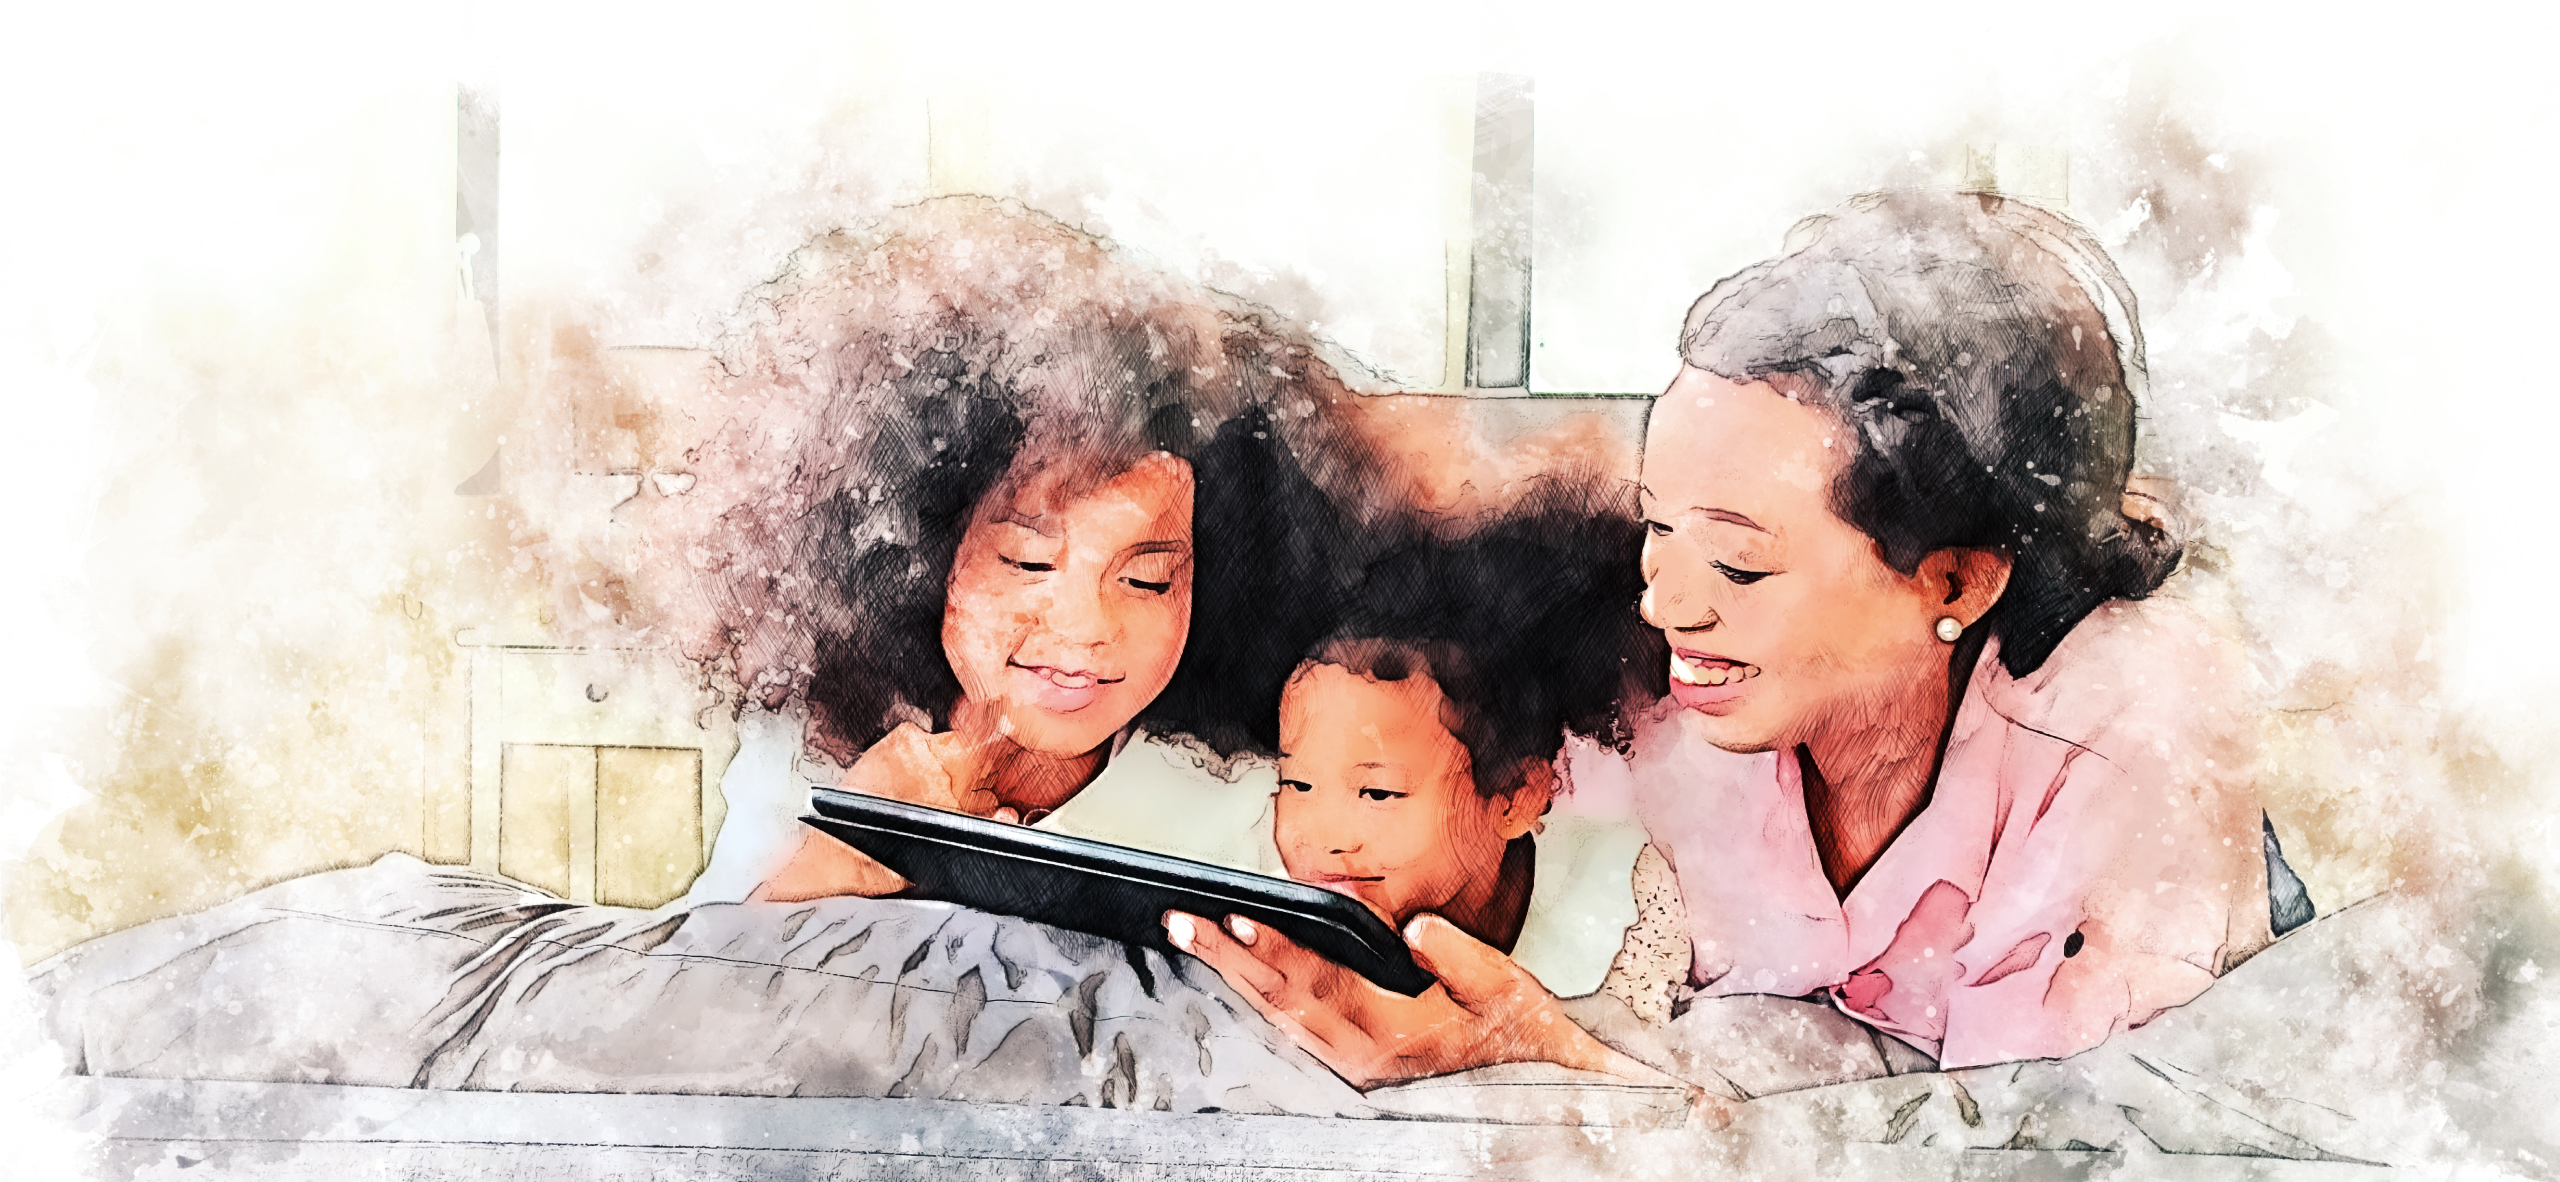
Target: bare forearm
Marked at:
823, 868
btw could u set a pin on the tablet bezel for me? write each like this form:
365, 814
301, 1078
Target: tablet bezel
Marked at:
899, 835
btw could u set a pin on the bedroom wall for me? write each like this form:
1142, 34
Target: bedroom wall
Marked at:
272, 561
302, 581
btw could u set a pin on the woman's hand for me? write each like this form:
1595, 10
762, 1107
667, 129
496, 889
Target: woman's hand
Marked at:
1485, 1009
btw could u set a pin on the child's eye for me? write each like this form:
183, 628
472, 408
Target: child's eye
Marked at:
1300, 785
1380, 794
1741, 578
1151, 588
1660, 529
1034, 567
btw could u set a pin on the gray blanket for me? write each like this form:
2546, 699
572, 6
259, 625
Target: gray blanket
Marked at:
2329, 1046
406, 974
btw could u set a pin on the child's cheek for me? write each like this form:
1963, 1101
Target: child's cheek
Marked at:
1292, 862
1453, 871
1391, 897
1284, 837
1296, 832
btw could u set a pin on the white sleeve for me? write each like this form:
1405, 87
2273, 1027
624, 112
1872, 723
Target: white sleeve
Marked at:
1583, 897
766, 791
1154, 796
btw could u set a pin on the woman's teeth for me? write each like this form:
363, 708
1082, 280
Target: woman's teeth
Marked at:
1706, 674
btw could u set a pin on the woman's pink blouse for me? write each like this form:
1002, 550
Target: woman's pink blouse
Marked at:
2089, 856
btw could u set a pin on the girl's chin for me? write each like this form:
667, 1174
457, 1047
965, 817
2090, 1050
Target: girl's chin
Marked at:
1039, 735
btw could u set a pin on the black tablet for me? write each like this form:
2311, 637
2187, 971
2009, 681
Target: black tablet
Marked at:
1107, 890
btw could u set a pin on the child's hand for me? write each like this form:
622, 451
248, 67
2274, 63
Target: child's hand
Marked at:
935, 771
1485, 1010
821, 867
906, 764
903, 765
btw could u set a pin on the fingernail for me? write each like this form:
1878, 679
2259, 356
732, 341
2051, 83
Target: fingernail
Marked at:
1178, 929
1413, 930
1243, 928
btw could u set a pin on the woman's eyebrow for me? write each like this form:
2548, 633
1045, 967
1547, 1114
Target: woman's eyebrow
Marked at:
1163, 546
1729, 517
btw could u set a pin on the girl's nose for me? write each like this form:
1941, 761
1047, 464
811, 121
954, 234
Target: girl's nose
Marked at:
1078, 614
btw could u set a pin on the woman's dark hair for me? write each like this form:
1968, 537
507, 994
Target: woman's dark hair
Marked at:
890, 381
1986, 357
1528, 625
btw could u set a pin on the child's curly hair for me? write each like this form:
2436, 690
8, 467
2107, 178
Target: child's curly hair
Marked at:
891, 379
1528, 624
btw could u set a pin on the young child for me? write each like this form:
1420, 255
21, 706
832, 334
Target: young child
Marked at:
1420, 748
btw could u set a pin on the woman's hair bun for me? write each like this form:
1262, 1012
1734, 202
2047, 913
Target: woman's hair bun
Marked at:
1987, 358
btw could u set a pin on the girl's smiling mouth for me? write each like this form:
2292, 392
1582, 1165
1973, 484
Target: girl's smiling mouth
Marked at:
1062, 690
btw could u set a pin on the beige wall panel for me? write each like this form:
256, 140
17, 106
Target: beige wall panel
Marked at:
546, 788
648, 824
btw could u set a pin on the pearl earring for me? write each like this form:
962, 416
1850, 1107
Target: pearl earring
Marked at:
1949, 630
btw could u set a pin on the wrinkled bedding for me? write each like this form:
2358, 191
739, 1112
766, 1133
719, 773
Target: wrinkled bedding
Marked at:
409, 975
402, 974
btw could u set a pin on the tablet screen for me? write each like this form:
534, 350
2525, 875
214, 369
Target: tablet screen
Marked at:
1100, 888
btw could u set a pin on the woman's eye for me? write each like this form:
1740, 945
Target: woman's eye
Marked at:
1380, 794
1300, 785
1034, 567
1741, 578
1152, 588
1660, 529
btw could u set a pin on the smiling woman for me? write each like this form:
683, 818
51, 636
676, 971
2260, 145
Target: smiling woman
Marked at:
1786, 628
2004, 795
